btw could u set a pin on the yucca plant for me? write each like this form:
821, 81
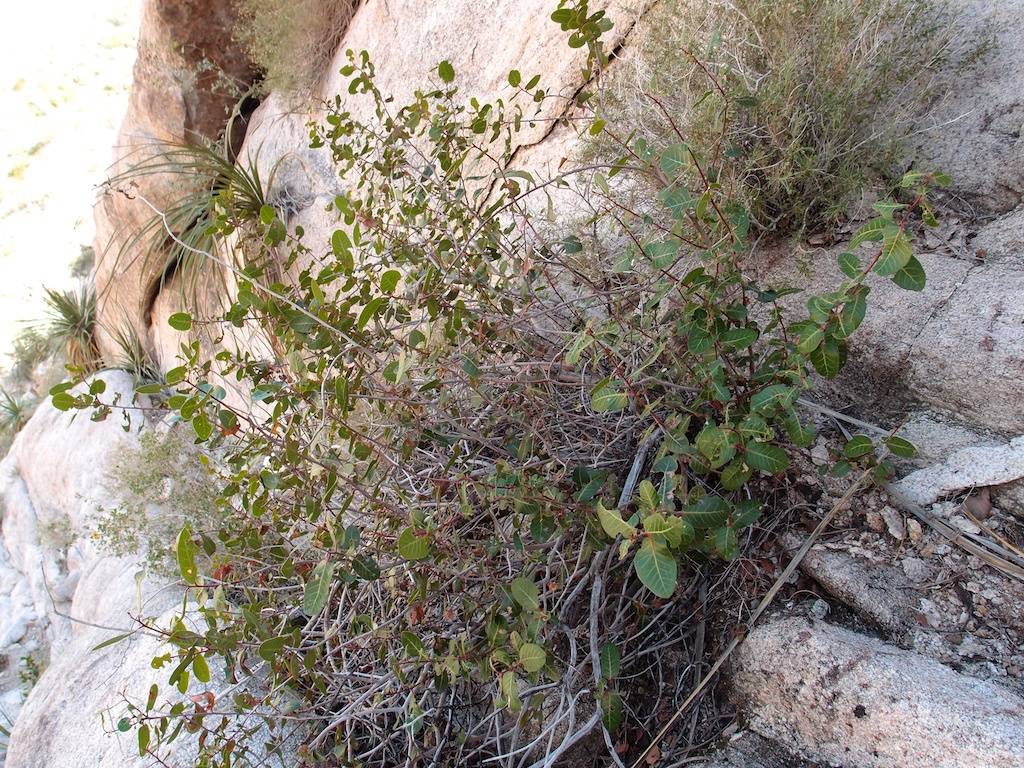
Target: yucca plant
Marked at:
71, 323
14, 412
183, 230
132, 356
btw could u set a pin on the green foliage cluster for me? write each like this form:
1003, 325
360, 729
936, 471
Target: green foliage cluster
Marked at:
814, 98
160, 486
459, 515
292, 41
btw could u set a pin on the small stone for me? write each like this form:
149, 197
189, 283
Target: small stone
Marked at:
915, 568
820, 608
914, 531
875, 522
965, 525
979, 504
819, 454
894, 523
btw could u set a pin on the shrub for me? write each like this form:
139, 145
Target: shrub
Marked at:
813, 98
467, 509
292, 41
160, 487
31, 348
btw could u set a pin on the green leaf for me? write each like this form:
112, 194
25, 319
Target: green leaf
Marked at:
769, 399
613, 524
801, 434
765, 457
610, 660
202, 426
532, 657
886, 208
373, 307
446, 71
900, 446
413, 545
144, 737
583, 340
755, 426
735, 475
849, 264
185, 551
180, 321
910, 276
714, 443
510, 690
62, 401
515, 78
612, 711
810, 338
657, 525
656, 568
710, 512
201, 669
726, 543
269, 649
366, 568
591, 489
747, 512
820, 308
175, 375
896, 252
112, 640
678, 200
852, 314
674, 159
648, 494
606, 398
872, 231
342, 247
314, 596
389, 280
525, 592
859, 445
826, 359
740, 338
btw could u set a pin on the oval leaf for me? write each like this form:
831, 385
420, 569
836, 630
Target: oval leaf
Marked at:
532, 657
317, 589
656, 569
413, 545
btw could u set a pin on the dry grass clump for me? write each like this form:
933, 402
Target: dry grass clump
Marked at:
293, 41
826, 90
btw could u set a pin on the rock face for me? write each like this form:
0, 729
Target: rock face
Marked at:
974, 133
850, 700
186, 53
61, 594
52, 577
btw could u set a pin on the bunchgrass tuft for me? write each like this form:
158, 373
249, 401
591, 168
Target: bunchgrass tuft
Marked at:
293, 41
822, 93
